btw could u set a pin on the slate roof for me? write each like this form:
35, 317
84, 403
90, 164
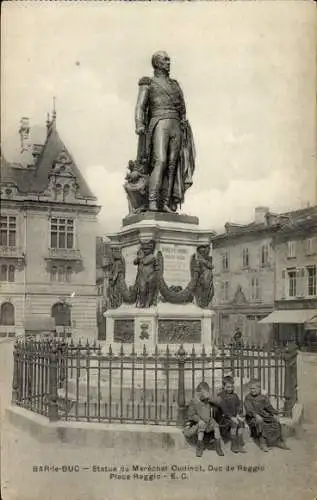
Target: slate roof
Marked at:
36, 179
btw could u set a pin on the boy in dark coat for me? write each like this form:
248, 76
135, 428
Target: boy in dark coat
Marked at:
201, 421
262, 418
231, 419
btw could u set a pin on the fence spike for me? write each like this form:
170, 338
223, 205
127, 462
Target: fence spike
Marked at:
110, 350
156, 350
144, 350
133, 350
167, 351
121, 350
193, 351
181, 351
203, 351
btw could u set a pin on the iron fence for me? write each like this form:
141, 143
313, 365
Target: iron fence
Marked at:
64, 381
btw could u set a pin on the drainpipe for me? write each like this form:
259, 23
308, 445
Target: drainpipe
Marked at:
25, 264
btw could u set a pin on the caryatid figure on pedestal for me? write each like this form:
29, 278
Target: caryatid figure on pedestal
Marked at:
165, 137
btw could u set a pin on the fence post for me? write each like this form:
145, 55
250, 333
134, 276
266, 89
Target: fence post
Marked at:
290, 388
52, 400
181, 354
15, 379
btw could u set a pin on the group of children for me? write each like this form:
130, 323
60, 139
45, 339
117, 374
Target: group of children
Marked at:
225, 417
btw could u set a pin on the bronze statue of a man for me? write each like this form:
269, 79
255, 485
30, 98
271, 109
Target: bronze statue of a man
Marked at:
165, 137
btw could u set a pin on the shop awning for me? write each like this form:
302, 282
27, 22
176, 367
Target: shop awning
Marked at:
295, 316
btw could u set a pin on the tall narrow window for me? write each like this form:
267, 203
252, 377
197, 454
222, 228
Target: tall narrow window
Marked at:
225, 261
292, 280
11, 273
8, 231
245, 257
291, 249
54, 273
312, 278
264, 255
62, 233
61, 274
255, 289
68, 274
3, 272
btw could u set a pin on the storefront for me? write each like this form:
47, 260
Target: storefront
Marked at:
295, 325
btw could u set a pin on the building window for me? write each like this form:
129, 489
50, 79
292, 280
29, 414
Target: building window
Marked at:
61, 273
7, 314
264, 255
62, 233
225, 290
54, 273
310, 246
255, 289
68, 274
7, 273
291, 250
292, 275
61, 313
245, 257
8, 231
312, 278
225, 261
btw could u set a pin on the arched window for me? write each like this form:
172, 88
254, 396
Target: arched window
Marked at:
61, 313
7, 314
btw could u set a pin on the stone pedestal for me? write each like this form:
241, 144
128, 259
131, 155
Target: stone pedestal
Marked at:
162, 325
177, 238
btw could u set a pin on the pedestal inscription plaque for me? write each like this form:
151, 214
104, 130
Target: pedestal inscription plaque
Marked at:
129, 254
175, 331
176, 264
123, 331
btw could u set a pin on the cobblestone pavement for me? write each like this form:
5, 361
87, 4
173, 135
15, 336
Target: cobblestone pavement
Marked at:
288, 474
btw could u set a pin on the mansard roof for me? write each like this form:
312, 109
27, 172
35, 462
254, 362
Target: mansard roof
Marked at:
35, 179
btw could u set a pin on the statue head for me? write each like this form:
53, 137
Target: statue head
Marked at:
147, 247
161, 61
204, 250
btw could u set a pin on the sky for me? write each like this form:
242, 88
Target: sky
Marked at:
247, 69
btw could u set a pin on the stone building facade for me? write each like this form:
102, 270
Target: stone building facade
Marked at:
295, 249
47, 241
244, 279
262, 267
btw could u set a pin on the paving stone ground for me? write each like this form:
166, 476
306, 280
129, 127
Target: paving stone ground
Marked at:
289, 474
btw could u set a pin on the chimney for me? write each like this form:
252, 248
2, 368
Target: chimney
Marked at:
26, 146
260, 215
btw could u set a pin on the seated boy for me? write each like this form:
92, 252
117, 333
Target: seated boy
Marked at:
201, 421
231, 420
262, 418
